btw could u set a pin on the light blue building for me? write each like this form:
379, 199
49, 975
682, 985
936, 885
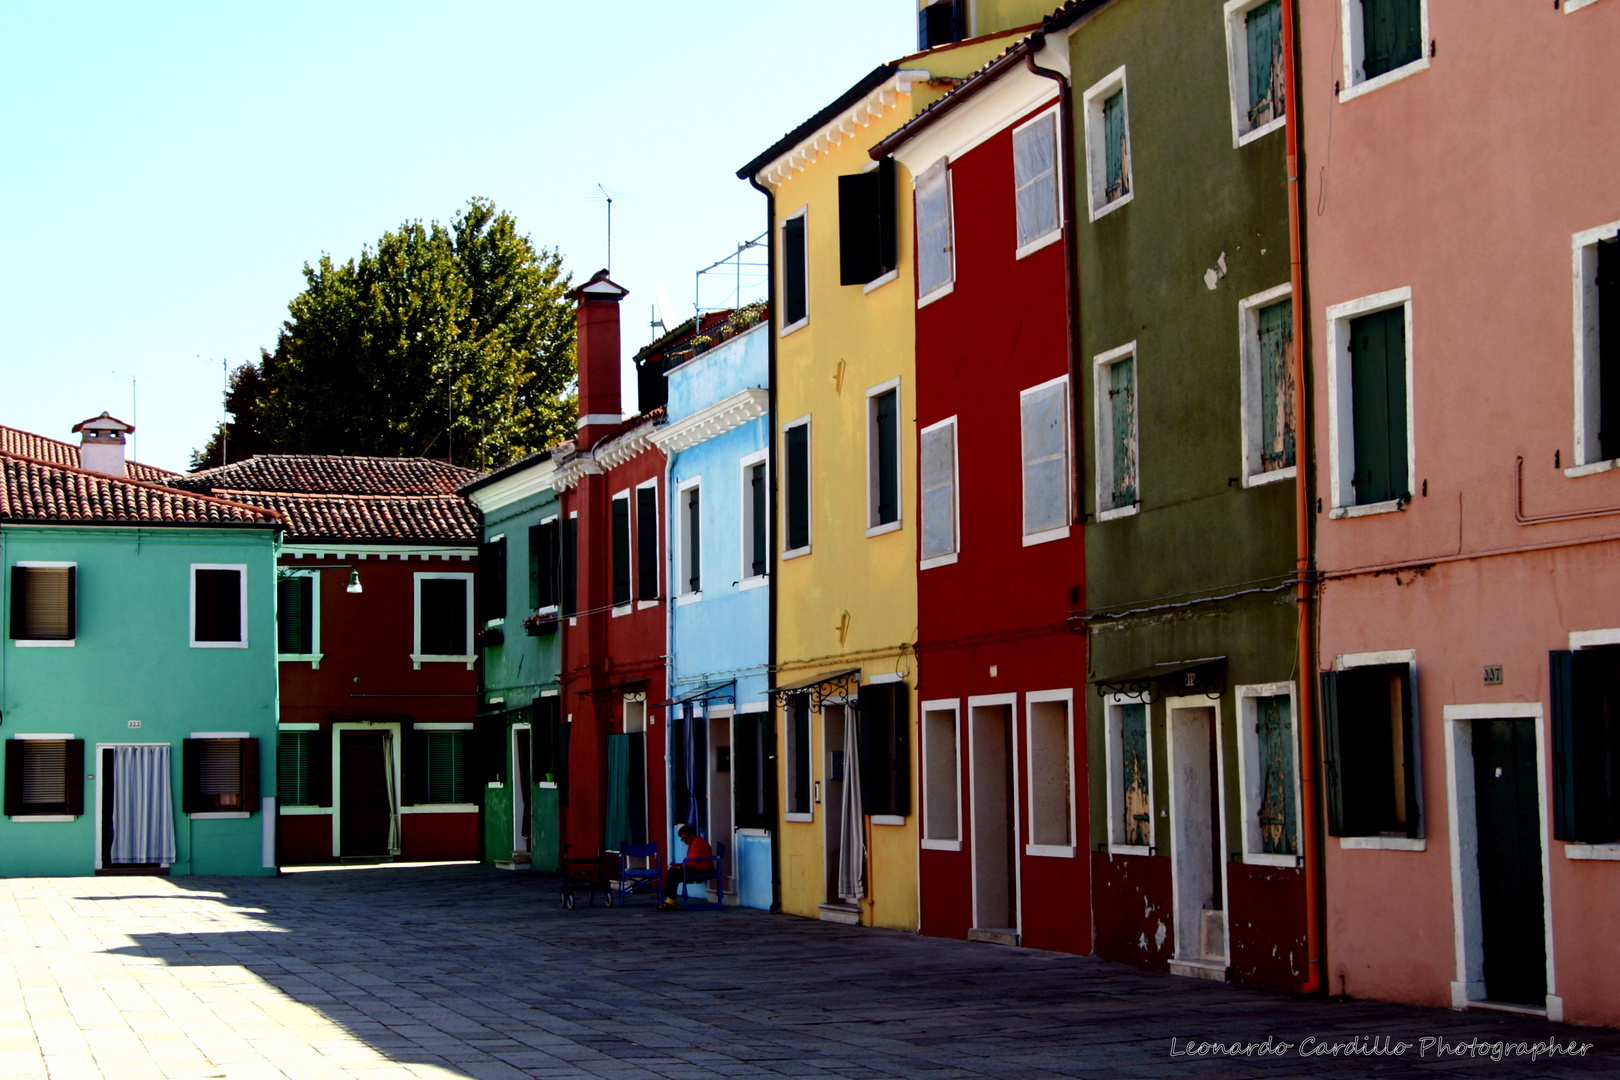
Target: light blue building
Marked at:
722, 759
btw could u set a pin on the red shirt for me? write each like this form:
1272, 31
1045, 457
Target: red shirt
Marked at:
698, 850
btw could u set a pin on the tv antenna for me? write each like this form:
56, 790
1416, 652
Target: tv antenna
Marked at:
608, 197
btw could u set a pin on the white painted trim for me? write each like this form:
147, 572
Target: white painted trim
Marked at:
52, 737
440, 808
47, 819
938, 294
1050, 851
338, 727
847, 125
945, 558
939, 560
1065, 697
1346, 661
1217, 732
443, 726
525, 483
1010, 702
402, 552
949, 285
1594, 852
1035, 245
1594, 469
220, 735
1252, 426
1096, 154
1249, 775
809, 486
880, 530
1576, 5
689, 598
1588, 401
1341, 419
684, 556
1368, 510
887, 819
712, 421
883, 677
191, 620
219, 815
303, 811
287, 726
418, 657
1059, 178
1351, 48
953, 706
36, 643
1122, 512
942, 845
746, 578
1382, 843
749, 707
880, 281
598, 418
1012, 95
1102, 423
314, 656
1114, 763
43, 643
791, 816
1237, 66
1586, 639
781, 225
1034, 539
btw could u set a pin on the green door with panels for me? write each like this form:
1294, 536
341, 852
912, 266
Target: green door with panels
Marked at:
1378, 406
1512, 914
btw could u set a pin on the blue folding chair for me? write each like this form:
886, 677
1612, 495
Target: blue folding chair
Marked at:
709, 873
647, 879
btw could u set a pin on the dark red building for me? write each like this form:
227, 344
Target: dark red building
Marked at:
614, 597
1002, 674
375, 620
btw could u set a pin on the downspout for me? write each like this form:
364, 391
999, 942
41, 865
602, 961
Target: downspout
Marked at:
1303, 520
771, 472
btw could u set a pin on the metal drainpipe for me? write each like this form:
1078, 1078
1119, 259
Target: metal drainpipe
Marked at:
771, 472
1303, 520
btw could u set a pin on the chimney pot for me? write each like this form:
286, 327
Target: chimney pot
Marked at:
101, 444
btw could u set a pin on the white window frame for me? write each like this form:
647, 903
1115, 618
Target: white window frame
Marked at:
552, 609
683, 556
1576, 5
1348, 661
1102, 422
872, 394
620, 610
809, 487
314, 655
801, 212
1341, 396
1046, 536
1097, 154
54, 819
1588, 391
746, 578
956, 495
635, 566
191, 620
1253, 426
1047, 697
939, 292
1052, 236
1113, 755
418, 657
1237, 66
952, 706
1353, 49
30, 643
1249, 775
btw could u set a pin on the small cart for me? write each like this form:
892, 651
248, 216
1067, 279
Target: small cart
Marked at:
588, 876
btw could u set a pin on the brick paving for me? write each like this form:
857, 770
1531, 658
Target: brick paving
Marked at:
463, 971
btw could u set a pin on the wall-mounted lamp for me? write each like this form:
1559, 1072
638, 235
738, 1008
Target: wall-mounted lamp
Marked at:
354, 582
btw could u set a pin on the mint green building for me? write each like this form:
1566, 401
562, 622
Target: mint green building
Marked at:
138, 684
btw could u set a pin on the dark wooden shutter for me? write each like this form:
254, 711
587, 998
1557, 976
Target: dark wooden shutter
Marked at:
797, 711
570, 565
413, 766
875, 723
19, 606
1409, 739
795, 296
14, 774
758, 504
1332, 756
320, 767
491, 734
75, 777
694, 540
1392, 35
492, 580
1608, 313
621, 551
900, 754
647, 543
798, 487
1378, 409
535, 564
888, 217
1589, 746
73, 604
747, 775
219, 605
941, 24
867, 232
250, 774
886, 421
191, 801
1561, 665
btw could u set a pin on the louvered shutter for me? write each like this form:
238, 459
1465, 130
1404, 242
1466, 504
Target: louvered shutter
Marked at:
798, 487
568, 594
1116, 149
1332, 755
621, 550
295, 615
74, 769
14, 777
43, 603
1263, 28
647, 543
292, 768
1378, 408
900, 749
795, 298
1276, 331
1566, 822
248, 751
190, 776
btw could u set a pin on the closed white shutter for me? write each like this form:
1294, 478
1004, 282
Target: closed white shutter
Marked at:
1046, 458
44, 779
934, 247
939, 491
1035, 178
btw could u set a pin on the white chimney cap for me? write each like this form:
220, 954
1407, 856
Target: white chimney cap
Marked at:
104, 424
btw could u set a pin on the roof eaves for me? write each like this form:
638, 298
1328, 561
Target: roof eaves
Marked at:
874, 79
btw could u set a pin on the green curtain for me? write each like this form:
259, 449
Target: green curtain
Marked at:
616, 834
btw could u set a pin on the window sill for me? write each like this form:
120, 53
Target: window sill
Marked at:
418, 659
1039, 242
304, 811
795, 553
942, 845
1589, 469
219, 815
312, 659
1367, 86
887, 819
1050, 851
1262, 131
43, 819
219, 644
688, 598
291, 726
549, 609
1381, 843
501, 621
1261, 479
1129, 849
1593, 852
937, 560
621, 610
1120, 512
798, 817
1046, 537
879, 530
441, 808
40, 643
1286, 862
1388, 507
753, 583
878, 282
795, 327
643, 605
938, 294
1108, 208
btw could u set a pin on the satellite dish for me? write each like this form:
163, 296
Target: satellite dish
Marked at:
665, 308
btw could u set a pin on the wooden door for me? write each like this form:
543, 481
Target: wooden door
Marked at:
365, 805
1512, 915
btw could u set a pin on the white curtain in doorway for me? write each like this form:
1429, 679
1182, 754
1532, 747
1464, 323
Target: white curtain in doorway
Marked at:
852, 842
393, 795
143, 806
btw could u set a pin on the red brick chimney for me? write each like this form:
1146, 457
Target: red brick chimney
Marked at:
597, 321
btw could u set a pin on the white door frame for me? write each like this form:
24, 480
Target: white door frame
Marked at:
1171, 705
1010, 702
392, 730
514, 775
100, 746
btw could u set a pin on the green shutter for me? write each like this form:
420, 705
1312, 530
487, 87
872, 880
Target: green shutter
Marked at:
1276, 329
758, 504
492, 580
621, 551
295, 615
694, 541
1122, 406
798, 487
1264, 27
1117, 175
1137, 810
1332, 755
647, 543
795, 298
570, 565
1392, 35
1378, 405
536, 564
293, 768
1561, 665
1274, 738
446, 768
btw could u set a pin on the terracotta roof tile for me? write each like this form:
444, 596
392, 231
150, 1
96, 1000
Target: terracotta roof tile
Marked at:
444, 519
331, 474
27, 444
33, 491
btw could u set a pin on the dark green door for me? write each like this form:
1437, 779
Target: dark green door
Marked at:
1509, 820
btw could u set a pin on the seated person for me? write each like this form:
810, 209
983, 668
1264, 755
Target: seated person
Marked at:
698, 866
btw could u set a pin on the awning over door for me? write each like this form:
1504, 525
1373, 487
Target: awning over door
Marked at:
1176, 678
845, 683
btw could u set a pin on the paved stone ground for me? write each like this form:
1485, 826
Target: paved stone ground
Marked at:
465, 971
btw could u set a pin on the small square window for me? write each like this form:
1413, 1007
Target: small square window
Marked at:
221, 775
44, 603
1384, 40
1369, 734
218, 607
443, 617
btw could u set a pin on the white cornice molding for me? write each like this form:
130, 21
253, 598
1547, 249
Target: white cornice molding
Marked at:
520, 485
604, 456
715, 420
845, 125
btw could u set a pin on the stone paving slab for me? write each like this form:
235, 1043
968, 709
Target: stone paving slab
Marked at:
425, 973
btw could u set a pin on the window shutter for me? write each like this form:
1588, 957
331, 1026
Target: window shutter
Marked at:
19, 603
569, 565
1561, 667
1608, 316
1378, 409
746, 773
885, 458
935, 267
75, 777
444, 617
888, 218
1035, 179
535, 564
191, 774
14, 773
1263, 26
1123, 431
876, 721
1276, 330
1392, 35
1332, 756
694, 540
758, 504
797, 711
621, 550
491, 733
1409, 739
858, 224
292, 768
249, 750
647, 543
1045, 444
43, 599
219, 605
900, 742
320, 767
72, 603
295, 616
939, 491
795, 299
549, 582
413, 766
1591, 755
1115, 148
798, 487
492, 580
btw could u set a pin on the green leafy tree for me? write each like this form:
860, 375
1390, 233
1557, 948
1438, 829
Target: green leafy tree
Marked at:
441, 342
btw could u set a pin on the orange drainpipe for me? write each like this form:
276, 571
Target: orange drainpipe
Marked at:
1302, 527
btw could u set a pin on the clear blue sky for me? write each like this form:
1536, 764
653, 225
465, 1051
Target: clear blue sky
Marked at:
167, 169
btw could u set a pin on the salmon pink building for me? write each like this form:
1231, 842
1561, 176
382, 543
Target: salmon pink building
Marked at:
1464, 307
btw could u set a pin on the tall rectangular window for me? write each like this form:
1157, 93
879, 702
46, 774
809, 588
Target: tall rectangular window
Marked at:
1369, 735
1051, 774
885, 749
492, 579
1254, 44
294, 768
443, 616
867, 224
1118, 425
882, 458
1130, 776
753, 771
939, 506
1035, 179
218, 606
295, 612
44, 777
647, 542
1116, 179
942, 779
1108, 144
1267, 358
796, 711
796, 457
446, 768
1378, 407
795, 272
1270, 798
1597, 345
570, 564
1044, 434
44, 603
691, 540
936, 260
756, 519
1586, 744
621, 549
545, 564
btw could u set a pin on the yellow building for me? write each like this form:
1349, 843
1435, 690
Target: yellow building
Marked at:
845, 549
